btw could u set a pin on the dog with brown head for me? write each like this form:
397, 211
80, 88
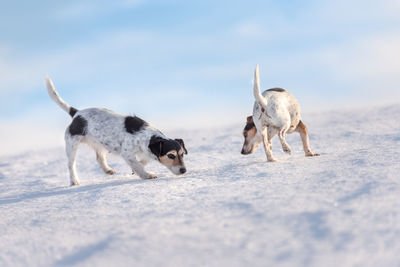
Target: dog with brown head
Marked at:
169, 153
251, 139
275, 112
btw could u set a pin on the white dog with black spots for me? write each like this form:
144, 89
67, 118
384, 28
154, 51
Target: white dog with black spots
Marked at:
135, 140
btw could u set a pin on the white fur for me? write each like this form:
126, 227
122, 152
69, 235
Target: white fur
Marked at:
54, 95
276, 113
105, 133
256, 89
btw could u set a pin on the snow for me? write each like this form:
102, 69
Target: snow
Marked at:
339, 209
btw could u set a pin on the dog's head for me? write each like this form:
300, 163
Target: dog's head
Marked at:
169, 152
251, 138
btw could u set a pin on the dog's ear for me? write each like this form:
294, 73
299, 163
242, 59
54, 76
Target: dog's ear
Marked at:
249, 123
180, 141
155, 145
250, 119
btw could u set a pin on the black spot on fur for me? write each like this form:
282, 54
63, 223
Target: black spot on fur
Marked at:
72, 111
134, 124
155, 145
249, 126
160, 146
78, 126
277, 90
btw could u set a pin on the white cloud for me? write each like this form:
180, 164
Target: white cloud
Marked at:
374, 57
80, 61
343, 11
366, 58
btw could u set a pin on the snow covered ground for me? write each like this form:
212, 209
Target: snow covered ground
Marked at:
339, 209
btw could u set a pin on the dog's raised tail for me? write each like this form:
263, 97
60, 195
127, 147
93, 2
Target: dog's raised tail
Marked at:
256, 90
56, 98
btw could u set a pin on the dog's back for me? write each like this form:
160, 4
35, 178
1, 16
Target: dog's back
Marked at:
109, 129
282, 108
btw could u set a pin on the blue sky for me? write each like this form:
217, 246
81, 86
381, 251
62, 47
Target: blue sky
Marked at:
188, 63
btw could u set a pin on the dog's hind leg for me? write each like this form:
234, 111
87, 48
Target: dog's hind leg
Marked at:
285, 146
101, 159
272, 131
71, 147
302, 129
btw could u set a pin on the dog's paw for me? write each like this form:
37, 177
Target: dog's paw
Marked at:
271, 160
312, 154
286, 149
110, 172
75, 182
146, 176
152, 176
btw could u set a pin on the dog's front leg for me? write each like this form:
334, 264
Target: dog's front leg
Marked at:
101, 159
267, 145
138, 168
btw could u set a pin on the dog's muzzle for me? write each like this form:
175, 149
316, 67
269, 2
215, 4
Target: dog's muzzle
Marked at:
243, 152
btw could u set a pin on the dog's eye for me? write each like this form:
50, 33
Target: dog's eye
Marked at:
245, 135
171, 156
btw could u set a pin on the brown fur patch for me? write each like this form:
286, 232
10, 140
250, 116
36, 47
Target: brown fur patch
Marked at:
301, 127
249, 124
249, 134
178, 160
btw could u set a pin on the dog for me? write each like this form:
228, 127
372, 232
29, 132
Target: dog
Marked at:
135, 140
275, 111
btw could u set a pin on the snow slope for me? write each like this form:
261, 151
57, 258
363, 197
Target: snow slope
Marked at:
339, 209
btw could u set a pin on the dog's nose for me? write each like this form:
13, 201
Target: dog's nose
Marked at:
182, 170
243, 151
